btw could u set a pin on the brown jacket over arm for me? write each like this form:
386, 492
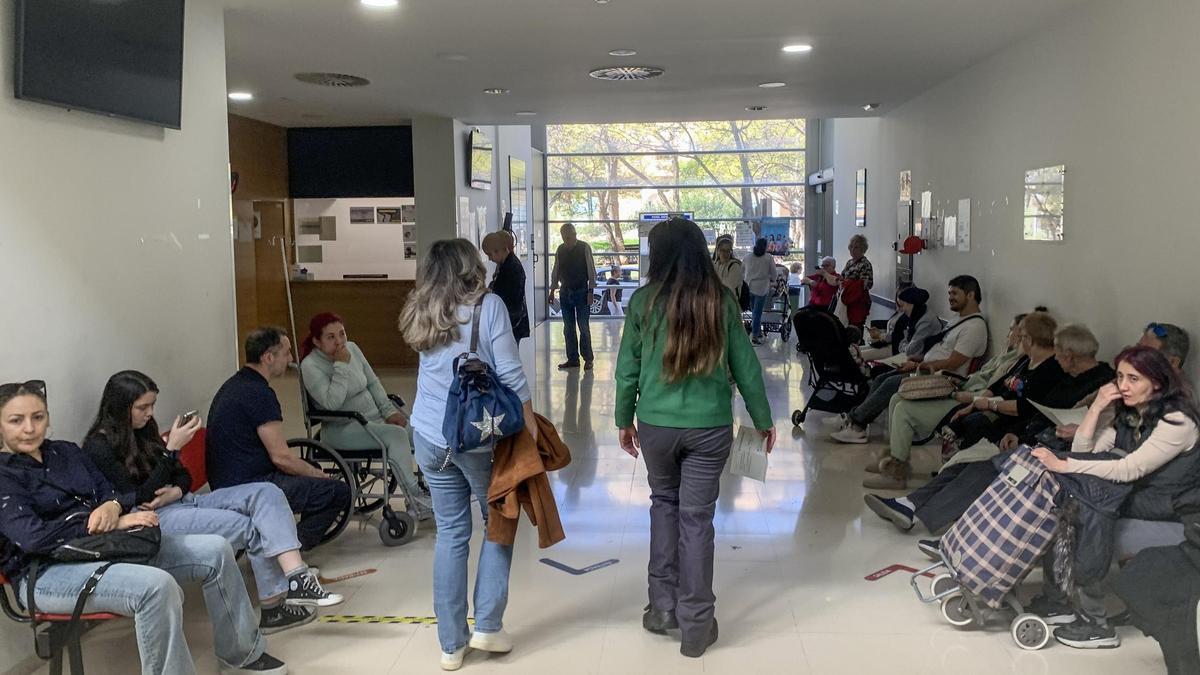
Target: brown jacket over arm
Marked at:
519, 481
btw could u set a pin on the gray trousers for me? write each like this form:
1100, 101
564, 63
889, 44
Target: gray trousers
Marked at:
684, 471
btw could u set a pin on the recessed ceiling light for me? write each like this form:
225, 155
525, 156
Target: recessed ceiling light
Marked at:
623, 52
773, 85
526, 113
871, 106
380, 3
601, 2
797, 49
449, 56
756, 108
496, 91
240, 96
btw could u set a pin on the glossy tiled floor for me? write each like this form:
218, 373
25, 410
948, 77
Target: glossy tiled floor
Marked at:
791, 559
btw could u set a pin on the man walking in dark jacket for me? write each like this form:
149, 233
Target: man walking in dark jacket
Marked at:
508, 282
575, 269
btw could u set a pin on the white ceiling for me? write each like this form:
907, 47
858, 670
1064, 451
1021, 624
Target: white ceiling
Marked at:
715, 54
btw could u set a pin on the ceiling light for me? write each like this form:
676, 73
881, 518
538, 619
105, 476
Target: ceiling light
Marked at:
624, 73
755, 108
526, 113
773, 85
448, 56
496, 91
623, 52
797, 49
871, 106
601, 2
240, 96
383, 4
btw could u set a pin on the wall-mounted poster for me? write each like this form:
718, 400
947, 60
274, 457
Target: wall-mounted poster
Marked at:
860, 198
1044, 203
387, 214
410, 233
905, 185
362, 214
408, 213
776, 232
950, 231
410, 251
926, 204
964, 224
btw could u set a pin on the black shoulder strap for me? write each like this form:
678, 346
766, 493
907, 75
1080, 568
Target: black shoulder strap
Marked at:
475, 324
942, 335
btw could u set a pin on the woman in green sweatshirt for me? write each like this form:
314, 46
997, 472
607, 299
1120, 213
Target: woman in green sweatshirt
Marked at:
682, 340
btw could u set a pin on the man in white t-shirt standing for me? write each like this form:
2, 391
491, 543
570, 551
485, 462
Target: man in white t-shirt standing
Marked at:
957, 346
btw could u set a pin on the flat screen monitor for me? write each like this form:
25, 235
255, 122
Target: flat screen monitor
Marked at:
123, 59
481, 160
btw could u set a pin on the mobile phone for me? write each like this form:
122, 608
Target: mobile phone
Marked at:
187, 417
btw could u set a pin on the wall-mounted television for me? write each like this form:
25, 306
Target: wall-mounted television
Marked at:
330, 162
122, 59
481, 160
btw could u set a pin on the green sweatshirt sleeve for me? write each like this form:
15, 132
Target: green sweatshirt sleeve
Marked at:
374, 386
629, 363
746, 370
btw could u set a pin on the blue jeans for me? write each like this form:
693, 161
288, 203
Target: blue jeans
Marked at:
152, 596
465, 479
882, 389
319, 501
576, 311
757, 302
252, 516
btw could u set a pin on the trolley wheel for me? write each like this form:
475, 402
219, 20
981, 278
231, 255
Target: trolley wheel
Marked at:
329, 461
1030, 632
942, 583
798, 417
957, 612
397, 529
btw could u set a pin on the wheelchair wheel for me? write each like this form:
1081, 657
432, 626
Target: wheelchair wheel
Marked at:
332, 464
397, 528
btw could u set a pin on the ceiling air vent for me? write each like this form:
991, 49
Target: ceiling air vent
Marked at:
623, 73
333, 79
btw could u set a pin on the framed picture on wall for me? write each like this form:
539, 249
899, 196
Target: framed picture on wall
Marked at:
388, 214
860, 198
408, 213
410, 234
362, 214
410, 251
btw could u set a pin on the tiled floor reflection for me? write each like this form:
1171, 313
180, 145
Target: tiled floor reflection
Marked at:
791, 557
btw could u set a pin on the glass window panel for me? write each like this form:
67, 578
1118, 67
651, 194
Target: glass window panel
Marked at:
676, 136
751, 168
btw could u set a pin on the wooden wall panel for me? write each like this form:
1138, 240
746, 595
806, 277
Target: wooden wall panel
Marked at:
370, 309
258, 153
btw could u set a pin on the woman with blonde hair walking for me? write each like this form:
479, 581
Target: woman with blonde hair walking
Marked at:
437, 322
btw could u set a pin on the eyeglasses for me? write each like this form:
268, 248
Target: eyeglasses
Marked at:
12, 389
1159, 330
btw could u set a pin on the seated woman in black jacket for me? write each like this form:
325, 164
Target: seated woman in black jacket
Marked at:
125, 444
51, 493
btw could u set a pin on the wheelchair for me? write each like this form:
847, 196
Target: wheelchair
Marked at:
370, 475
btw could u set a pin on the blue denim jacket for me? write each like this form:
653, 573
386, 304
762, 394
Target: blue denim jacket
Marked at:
47, 504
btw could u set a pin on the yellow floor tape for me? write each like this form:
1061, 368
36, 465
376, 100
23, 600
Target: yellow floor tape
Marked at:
371, 618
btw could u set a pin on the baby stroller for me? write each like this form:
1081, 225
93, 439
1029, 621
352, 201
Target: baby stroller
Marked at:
777, 313
837, 382
993, 547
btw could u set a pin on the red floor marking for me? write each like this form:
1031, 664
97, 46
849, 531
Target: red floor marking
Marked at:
876, 576
352, 575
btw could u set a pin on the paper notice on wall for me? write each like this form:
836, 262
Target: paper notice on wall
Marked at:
926, 204
950, 231
964, 224
465, 223
749, 456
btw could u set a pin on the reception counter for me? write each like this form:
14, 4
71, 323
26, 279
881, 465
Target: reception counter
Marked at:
370, 308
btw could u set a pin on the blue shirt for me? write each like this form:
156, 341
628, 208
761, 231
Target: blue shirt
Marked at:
234, 452
497, 347
43, 505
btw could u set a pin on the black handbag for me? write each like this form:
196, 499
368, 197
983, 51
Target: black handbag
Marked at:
137, 545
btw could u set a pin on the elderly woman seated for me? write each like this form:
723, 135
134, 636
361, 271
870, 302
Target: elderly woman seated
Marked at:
823, 285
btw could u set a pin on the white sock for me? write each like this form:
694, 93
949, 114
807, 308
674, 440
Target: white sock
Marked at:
903, 501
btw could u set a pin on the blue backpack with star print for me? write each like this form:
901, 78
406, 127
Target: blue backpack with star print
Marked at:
480, 409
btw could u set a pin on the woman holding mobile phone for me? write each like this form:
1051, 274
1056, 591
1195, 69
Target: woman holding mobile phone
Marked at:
126, 446
682, 348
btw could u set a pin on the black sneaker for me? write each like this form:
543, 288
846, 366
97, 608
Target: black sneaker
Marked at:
696, 649
1083, 634
304, 589
932, 548
263, 664
891, 510
658, 620
283, 617
1055, 612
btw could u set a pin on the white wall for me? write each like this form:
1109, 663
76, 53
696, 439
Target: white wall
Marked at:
1110, 91
437, 170
115, 248
360, 248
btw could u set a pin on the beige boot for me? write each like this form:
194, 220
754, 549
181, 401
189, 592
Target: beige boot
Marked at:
893, 475
876, 457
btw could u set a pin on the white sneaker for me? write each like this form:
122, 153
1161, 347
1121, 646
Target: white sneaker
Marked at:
851, 434
499, 642
453, 660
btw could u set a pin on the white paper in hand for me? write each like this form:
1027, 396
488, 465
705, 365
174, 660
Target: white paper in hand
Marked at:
1062, 416
749, 457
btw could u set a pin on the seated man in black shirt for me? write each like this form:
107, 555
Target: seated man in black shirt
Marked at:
245, 442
